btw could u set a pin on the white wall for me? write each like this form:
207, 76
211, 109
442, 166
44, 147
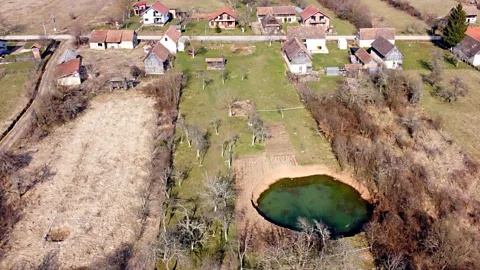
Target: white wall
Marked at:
476, 60
368, 43
313, 44
169, 44
126, 45
113, 45
72, 80
149, 17
297, 69
181, 46
95, 46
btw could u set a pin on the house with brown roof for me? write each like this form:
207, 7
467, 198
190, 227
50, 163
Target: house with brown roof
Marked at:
271, 25
314, 38
472, 13
386, 54
469, 49
297, 57
69, 73
158, 60
113, 39
224, 18
170, 39
284, 14
216, 63
365, 36
313, 16
157, 14
362, 57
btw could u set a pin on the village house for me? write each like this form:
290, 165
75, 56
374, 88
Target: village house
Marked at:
312, 37
170, 39
362, 57
139, 8
68, 55
69, 73
387, 54
36, 51
224, 18
158, 60
157, 14
113, 39
271, 25
312, 16
469, 49
297, 57
284, 14
472, 12
365, 36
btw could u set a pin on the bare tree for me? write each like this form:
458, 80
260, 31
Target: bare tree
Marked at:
169, 250
258, 127
227, 101
436, 68
205, 79
215, 122
125, 7
219, 191
233, 4
225, 75
243, 243
244, 73
228, 144
202, 142
192, 230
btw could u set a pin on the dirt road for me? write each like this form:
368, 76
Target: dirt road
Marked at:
101, 164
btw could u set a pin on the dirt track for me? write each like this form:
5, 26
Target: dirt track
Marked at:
100, 164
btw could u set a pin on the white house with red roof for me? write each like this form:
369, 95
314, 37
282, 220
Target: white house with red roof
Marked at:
313, 16
139, 8
69, 73
157, 14
224, 18
170, 39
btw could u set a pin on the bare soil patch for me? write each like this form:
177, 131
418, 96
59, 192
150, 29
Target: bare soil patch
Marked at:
91, 205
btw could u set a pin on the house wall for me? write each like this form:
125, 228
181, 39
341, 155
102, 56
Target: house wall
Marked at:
72, 80
314, 44
150, 18
113, 45
223, 22
389, 62
368, 43
271, 29
319, 21
299, 65
127, 45
153, 65
3, 47
169, 44
472, 19
476, 60
181, 46
96, 46
286, 18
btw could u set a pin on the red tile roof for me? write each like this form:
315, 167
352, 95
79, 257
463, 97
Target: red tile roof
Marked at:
363, 56
173, 33
114, 36
98, 36
474, 32
277, 10
221, 11
160, 8
68, 68
160, 51
139, 4
374, 33
310, 11
128, 35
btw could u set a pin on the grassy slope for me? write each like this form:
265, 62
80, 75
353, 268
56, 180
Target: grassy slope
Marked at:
393, 17
11, 91
441, 8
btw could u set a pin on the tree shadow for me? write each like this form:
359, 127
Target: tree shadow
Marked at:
425, 64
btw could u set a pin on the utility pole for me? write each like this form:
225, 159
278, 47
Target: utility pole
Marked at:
53, 21
44, 29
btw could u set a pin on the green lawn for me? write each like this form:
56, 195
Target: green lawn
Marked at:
11, 92
334, 58
417, 55
326, 85
441, 8
20, 66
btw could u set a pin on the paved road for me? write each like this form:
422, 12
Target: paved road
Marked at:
219, 38
22, 125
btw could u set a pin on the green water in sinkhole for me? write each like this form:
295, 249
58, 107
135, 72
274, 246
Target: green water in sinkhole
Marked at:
317, 197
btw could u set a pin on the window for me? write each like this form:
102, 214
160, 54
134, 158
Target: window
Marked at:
313, 18
289, 19
100, 44
219, 17
322, 17
228, 17
146, 19
230, 23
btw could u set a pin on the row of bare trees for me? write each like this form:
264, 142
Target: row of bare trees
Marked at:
350, 10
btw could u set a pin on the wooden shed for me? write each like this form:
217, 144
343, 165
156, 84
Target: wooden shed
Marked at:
216, 63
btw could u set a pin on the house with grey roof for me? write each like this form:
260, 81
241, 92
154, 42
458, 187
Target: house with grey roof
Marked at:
386, 54
297, 57
468, 50
158, 60
67, 56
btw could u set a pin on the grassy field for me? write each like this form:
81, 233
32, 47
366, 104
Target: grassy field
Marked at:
392, 17
203, 5
11, 92
418, 54
441, 8
334, 58
341, 26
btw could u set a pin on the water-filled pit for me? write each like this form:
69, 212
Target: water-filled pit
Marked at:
315, 197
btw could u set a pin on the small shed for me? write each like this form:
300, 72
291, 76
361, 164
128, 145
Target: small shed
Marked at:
216, 63
342, 44
36, 50
182, 44
333, 71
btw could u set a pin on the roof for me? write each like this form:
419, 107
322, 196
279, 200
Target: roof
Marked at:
212, 60
36, 45
139, 4
374, 33
471, 10
469, 46
270, 20
67, 56
160, 8
160, 52
383, 46
219, 12
128, 35
98, 36
474, 32
293, 46
306, 32
173, 33
363, 56
68, 68
278, 10
114, 36
310, 11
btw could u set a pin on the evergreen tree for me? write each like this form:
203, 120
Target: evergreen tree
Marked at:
456, 27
